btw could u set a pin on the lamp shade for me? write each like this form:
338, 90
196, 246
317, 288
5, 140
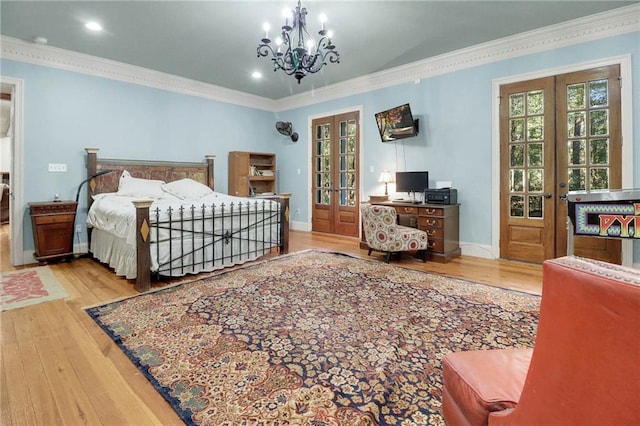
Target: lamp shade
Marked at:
385, 177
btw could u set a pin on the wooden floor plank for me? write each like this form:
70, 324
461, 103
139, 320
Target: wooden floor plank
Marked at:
5, 407
35, 377
78, 375
20, 407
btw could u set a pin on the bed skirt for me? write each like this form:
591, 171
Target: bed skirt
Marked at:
121, 257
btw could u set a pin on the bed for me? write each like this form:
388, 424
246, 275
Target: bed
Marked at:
162, 218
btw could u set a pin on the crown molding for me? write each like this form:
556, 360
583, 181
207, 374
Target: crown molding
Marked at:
602, 25
53, 57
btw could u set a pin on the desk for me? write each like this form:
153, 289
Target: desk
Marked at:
440, 221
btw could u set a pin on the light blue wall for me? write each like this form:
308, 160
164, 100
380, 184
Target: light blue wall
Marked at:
454, 143
66, 112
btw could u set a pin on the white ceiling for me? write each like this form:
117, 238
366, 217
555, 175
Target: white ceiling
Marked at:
215, 41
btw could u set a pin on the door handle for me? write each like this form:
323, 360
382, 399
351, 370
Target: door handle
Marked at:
547, 195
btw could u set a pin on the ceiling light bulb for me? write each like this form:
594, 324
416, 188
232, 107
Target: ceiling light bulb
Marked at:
93, 26
256, 74
278, 40
287, 14
330, 34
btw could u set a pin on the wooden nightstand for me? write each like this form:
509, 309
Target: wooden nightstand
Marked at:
53, 229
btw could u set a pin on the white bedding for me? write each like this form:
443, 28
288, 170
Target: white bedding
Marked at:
112, 218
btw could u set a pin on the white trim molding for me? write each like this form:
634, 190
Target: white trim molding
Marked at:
54, 57
16, 197
598, 26
602, 25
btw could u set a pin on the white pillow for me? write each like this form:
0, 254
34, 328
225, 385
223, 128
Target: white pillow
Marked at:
187, 189
135, 187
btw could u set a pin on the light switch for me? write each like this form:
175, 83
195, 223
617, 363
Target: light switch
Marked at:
57, 167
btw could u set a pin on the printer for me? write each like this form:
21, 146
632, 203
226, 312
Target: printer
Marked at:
441, 196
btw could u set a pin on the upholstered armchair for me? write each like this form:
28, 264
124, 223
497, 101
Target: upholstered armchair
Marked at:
584, 368
382, 233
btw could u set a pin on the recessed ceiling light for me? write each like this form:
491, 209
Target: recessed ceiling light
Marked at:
93, 26
256, 74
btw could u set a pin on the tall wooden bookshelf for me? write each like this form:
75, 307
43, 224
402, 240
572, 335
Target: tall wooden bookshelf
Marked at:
252, 171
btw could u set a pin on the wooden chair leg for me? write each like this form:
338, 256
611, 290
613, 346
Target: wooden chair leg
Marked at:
369, 254
423, 256
388, 257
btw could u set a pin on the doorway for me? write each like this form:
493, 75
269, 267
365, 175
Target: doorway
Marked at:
15, 87
335, 169
557, 134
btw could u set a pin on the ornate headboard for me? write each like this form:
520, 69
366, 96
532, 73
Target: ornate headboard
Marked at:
167, 171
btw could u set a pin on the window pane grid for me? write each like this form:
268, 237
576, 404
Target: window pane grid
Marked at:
588, 129
526, 151
322, 163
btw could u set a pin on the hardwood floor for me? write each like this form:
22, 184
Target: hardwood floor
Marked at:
59, 367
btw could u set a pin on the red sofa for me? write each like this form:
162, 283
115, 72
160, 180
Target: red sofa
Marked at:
584, 368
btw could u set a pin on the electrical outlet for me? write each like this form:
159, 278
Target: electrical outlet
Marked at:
78, 228
297, 212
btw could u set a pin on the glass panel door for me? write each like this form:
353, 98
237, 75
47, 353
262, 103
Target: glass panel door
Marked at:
335, 180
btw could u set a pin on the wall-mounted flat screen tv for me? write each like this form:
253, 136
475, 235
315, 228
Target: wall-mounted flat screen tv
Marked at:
396, 123
412, 181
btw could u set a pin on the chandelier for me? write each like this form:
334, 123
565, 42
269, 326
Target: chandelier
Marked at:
295, 52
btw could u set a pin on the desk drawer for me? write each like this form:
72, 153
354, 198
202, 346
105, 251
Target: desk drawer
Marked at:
406, 210
434, 233
432, 211
436, 245
430, 222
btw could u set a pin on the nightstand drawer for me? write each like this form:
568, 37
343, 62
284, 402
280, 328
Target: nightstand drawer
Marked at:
57, 218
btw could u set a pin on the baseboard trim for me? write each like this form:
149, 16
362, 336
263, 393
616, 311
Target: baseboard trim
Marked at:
300, 226
477, 250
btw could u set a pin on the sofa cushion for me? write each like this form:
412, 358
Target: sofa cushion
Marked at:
477, 383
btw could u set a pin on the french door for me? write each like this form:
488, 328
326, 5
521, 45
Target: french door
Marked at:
557, 134
335, 190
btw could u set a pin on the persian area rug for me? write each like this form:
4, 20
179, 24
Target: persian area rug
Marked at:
313, 338
25, 287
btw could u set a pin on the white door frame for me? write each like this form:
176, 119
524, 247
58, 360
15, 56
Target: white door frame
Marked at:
626, 116
16, 170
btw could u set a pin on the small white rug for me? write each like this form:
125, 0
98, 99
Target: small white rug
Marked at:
30, 286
